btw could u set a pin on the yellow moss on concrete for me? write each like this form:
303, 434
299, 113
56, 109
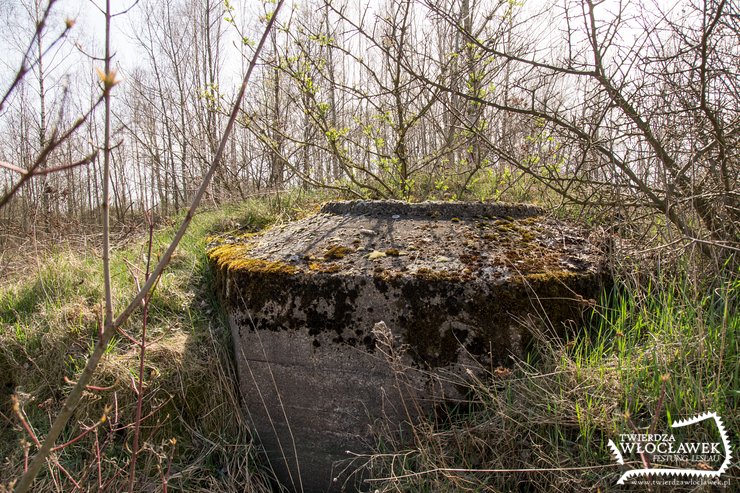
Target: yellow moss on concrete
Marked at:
327, 268
336, 252
235, 257
439, 275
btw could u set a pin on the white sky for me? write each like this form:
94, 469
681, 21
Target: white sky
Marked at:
89, 30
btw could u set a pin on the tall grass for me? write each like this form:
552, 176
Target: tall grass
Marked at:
659, 348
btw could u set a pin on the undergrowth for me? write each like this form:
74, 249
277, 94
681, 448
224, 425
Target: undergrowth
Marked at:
660, 348
195, 437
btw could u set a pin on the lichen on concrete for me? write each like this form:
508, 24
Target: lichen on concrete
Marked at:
494, 242
452, 280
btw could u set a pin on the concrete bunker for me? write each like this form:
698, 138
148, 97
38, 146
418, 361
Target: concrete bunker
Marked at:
452, 281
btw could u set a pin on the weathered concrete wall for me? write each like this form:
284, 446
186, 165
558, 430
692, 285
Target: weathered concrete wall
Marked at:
311, 405
448, 279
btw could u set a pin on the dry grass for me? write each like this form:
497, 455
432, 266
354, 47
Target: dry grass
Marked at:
193, 432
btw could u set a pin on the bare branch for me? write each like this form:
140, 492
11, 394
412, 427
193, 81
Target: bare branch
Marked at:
75, 394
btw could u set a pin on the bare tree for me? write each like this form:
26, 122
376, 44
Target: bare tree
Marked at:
644, 118
41, 159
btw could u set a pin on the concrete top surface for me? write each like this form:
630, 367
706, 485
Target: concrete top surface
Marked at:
430, 209
450, 241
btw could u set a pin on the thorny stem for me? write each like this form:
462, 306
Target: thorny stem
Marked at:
643, 456
106, 178
26, 446
97, 460
24, 421
166, 475
79, 437
659, 406
69, 476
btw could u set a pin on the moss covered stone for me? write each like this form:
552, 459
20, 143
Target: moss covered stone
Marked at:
336, 252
